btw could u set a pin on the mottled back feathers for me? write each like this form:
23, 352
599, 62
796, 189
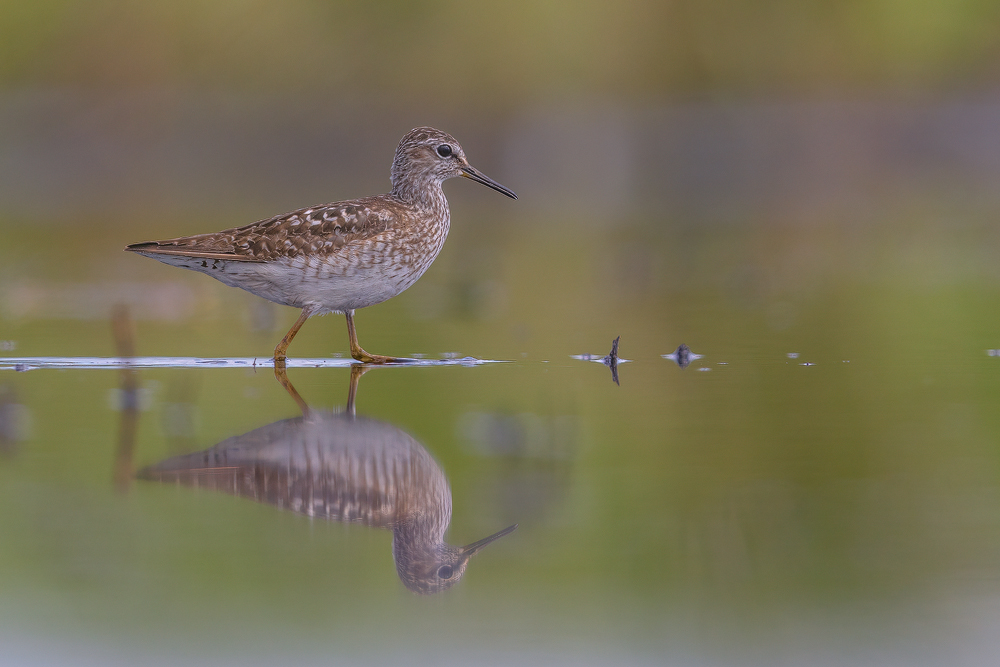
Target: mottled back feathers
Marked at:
315, 231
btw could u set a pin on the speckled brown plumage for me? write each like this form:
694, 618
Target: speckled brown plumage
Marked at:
312, 231
341, 256
340, 467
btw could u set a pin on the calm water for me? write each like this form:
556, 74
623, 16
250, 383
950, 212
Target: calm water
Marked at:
822, 486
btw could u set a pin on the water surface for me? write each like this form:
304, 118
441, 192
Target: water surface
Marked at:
821, 486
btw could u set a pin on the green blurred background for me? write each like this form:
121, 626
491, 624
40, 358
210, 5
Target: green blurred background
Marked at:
472, 56
755, 179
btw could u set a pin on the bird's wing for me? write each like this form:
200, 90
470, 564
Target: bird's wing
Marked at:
333, 465
311, 231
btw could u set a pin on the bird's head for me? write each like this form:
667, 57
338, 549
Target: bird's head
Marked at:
434, 569
426, 155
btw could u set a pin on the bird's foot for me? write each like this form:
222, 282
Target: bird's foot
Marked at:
365, 358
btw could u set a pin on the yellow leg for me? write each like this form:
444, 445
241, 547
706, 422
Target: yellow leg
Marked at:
357, 371
358, 352
281, 376
282, 347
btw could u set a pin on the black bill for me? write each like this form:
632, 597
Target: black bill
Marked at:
479, 177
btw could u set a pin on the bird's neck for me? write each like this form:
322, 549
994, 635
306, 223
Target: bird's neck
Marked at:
424, 532
426, 194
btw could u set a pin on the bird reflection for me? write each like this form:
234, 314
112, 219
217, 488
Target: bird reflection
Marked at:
338, 466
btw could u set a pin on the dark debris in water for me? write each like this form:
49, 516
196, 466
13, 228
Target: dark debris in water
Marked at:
683, 356
611, 359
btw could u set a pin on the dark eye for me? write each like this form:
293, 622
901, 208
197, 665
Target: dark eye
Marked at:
444, 571
444, 150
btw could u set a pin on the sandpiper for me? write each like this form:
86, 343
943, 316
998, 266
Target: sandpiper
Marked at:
341, 256
341, 467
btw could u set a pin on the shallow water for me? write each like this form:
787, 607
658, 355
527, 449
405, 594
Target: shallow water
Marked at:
821, 486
